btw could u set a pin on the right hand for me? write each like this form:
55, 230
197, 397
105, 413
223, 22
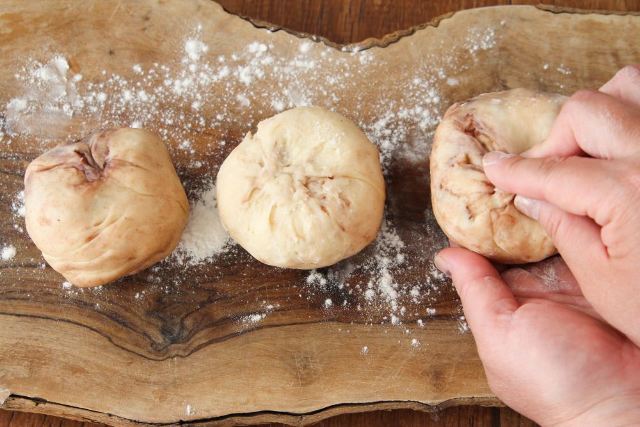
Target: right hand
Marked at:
545, 337
583, 185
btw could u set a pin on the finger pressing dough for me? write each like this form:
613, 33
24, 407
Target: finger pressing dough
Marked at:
470, 210
305, 191
107, 206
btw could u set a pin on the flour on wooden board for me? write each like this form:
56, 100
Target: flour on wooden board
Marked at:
204, 237
172, 101
252, 318
8, 252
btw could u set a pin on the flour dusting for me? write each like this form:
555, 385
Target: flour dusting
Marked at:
204, 237
8, 252
181, 101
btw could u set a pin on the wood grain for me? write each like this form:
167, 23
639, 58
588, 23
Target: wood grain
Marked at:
356, 20
114, 336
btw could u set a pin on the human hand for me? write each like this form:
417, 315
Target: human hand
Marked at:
568, 355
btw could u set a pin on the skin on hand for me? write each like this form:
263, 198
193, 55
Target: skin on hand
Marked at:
559, 342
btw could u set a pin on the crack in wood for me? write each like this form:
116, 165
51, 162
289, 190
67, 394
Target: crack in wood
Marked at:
287, 417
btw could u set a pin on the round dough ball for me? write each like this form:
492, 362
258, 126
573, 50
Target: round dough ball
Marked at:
470, 210
107, 206
305, 191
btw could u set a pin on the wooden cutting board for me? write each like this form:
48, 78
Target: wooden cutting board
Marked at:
185, 350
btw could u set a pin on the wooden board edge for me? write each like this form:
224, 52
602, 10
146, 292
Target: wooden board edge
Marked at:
575, 10
41, 406
387, 39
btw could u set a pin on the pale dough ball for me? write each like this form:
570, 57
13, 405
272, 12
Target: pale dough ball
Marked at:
470, 210
305, 191
107, 206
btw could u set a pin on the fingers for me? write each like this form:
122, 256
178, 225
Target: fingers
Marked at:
577, 238
488, 302
625, 85
578, 185
594, 123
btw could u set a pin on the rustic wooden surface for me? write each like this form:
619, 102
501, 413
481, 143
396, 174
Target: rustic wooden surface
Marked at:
481, 416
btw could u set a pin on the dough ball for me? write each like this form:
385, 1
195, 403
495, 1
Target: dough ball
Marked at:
105, 207
470, 210
305, 191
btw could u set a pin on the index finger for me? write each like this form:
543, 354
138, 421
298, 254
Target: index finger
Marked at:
578, 185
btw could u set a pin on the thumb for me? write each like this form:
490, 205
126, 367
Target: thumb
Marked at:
487, 300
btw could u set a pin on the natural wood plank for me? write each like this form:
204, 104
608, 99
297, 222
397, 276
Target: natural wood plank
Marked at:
384, 416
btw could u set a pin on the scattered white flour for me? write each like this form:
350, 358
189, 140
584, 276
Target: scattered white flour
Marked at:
415, 343
382, 292
562, 69
395, 320
257, 317
452, 81
204, 236
253, 318
195, 49
364, 351
480, 39
17, 206
463, 326
8, 252
189, 410
182, 102
305, 46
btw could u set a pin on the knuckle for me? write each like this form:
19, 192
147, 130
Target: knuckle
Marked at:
581, 97
466, 288
554, 171
553, 223
628, 74
627, 180
575, 106
547, 169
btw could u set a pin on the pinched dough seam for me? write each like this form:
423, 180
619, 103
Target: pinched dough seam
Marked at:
462, 196
126, 187
258, 188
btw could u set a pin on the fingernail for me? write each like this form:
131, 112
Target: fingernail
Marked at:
493, 157
441, 264
529, 207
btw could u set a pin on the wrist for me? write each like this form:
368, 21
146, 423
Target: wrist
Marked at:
617, 411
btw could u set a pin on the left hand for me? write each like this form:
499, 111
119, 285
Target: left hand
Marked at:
546, 352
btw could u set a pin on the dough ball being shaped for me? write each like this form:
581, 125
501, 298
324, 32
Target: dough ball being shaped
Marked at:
305, 191
470, 210
105, 207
